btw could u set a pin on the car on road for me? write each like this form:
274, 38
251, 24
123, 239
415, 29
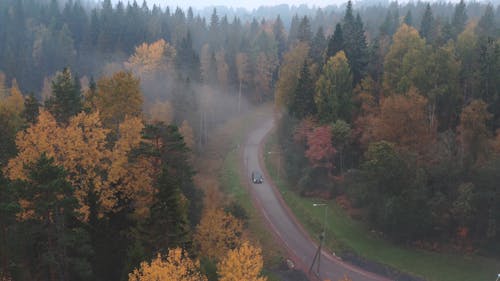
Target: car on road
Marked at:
257, 177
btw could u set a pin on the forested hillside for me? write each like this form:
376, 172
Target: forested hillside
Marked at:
104, 109
402, 126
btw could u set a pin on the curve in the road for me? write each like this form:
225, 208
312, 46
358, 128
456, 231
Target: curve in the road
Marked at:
282, 222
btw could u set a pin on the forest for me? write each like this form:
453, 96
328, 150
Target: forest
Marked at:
105, 109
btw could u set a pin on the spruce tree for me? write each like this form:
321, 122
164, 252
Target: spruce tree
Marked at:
303, 103
427, 25
66, 99
304, 33
408, 20
294, 30
486, 25
459, 18
279, 36
31, 108
318, 46
335, 42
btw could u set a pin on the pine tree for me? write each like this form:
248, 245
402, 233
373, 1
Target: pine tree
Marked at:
61, 247
172, 209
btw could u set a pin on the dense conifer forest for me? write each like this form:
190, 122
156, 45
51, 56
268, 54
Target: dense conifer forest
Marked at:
393, 108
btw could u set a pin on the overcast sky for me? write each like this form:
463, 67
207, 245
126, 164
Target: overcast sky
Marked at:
248, 4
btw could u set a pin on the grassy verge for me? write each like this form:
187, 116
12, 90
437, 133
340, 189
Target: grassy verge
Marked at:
346, 233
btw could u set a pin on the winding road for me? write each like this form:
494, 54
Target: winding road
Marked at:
282, 222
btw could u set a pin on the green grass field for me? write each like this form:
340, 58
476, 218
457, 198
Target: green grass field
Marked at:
344, 232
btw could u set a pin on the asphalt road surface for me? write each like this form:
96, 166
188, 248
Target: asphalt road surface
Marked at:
298, 244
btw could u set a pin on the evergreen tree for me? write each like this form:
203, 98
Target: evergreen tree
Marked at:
60, 244
318, 46
9, 206
486, 25
459, 18
427, 25
168, 225
408, 20
66, 99
279, 36
355, 46
294, 30
303, 101
188, 62
335, 42
304, 33
390, 24
31, 108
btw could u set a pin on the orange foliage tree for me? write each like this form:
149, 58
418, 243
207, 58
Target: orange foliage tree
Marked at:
81, 148
243, 263
177, 266
402, 120
320, 151
217, 233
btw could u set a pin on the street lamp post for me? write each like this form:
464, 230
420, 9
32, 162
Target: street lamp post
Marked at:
279, 163
321, 240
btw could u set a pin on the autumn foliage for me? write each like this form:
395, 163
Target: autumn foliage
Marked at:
242, 263
176, 266
217, 233
320, 149
82, 149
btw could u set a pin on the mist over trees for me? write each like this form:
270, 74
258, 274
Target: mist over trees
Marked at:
103, 107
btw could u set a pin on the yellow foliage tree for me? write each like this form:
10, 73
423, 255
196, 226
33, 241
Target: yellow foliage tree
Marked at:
177, 266
407, 44
81, 148
133, 179
12, 107
151, 59
118, 96
217, 233
289, 73
243, 263
3, 89
15, 101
